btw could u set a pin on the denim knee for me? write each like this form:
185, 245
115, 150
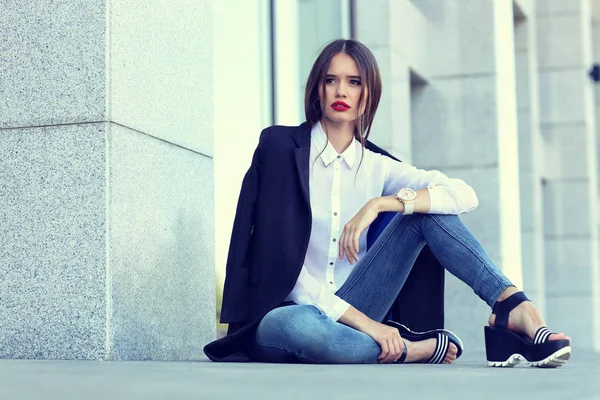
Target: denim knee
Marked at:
288, 324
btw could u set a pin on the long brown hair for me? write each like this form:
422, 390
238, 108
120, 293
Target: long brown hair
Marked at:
370, 79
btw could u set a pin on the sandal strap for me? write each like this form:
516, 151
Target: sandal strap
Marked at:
502, 308
542, 335
441, 349
404, 354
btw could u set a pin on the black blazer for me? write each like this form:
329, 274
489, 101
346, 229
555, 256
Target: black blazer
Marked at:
270, 237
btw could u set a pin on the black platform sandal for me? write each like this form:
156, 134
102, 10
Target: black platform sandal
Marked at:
443, 336
504, 348
404, 355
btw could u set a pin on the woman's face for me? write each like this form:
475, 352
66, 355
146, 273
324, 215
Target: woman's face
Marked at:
342, 90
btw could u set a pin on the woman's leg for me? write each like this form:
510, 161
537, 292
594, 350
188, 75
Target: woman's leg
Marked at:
378, 277
301, 333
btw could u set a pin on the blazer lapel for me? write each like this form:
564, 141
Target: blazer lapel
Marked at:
302, 156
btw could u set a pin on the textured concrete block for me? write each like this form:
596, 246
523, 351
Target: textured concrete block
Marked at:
559, 41
567, 209
522, 35
402, 66
568, 266
525, 137
573, 315
532, 245
531, 201
52, 62
523, 80
460, 44
465, 314
391, 128
161, 78
372, 27
572, 142
484, 221
559, 7
595, 35
527, 7
401, 121
562, 96
53, 247
409, 36
551, 160
319, 23
161, 249
457, 114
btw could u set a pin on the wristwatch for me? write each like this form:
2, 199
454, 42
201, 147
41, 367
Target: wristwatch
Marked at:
407, 197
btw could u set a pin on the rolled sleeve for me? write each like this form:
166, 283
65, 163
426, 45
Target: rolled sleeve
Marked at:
455, 198
331, 305
436, 201
447, 195
308, 291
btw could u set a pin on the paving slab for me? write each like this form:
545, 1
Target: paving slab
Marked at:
466, 379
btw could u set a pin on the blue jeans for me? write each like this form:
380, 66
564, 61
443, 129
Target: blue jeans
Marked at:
302, 333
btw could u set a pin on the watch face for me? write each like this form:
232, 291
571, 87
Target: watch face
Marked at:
407, 194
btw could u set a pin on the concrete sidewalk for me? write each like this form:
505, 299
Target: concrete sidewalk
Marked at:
467, 379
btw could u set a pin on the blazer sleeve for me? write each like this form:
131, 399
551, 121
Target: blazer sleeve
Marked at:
236, 294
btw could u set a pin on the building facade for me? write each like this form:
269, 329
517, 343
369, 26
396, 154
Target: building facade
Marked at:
126, 129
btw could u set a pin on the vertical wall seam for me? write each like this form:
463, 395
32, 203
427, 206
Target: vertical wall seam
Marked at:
108, 351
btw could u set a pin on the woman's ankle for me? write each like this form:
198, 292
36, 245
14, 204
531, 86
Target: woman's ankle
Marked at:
509, 291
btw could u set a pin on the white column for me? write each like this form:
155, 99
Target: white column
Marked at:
288, 97
465, 124
242, 107
530, 154
571, 193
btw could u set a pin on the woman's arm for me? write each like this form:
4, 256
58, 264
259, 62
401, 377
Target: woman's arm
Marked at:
348, 243
387, 337
309, 291
445, 195
391, 203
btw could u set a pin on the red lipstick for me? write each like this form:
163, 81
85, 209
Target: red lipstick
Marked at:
340, 106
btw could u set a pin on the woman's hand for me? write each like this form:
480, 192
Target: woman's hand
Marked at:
389, 339
348, 243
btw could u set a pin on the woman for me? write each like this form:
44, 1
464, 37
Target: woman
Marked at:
301, 285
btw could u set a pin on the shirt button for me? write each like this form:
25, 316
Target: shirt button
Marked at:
331, 283
335, 213
330, 263
339, 156
334, 239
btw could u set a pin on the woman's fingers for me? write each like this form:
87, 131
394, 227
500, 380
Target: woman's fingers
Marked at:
389, 354
356, 237
349, 244
396, 350
341, 246
400, 349
393, 350
384, 351
352, 236
344, 244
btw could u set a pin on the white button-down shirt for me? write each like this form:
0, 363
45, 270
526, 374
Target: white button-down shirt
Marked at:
338, 192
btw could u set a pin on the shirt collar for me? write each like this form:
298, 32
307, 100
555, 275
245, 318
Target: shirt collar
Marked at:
329, 154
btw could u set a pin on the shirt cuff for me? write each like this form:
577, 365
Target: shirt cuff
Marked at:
436, 201
332, 305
